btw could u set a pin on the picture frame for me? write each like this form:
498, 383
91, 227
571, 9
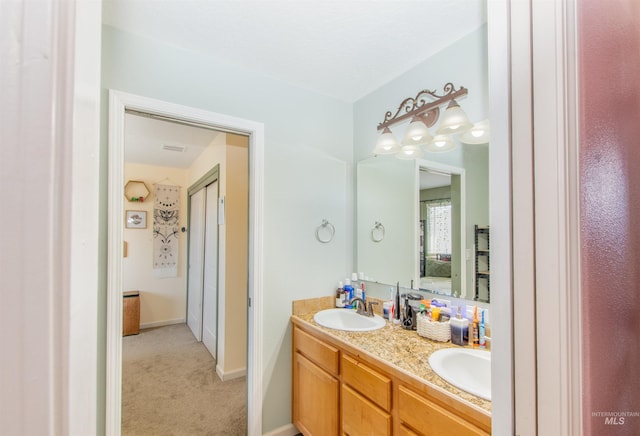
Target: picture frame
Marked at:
136, 219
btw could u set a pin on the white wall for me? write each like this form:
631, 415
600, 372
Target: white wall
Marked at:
308, 177
162, 300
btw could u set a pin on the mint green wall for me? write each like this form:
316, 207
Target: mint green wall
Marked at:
308, 177
464, 63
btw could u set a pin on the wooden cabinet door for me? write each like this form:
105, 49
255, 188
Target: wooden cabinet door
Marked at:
315, 399
360, 417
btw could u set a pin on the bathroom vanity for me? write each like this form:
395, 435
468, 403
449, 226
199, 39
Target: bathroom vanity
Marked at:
377, 382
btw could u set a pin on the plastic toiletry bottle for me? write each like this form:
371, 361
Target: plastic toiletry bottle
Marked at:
481, 331
387, 305
340, 295
355, 284
459, 329
475, 328
362, 295
348, 289
435, 314
357, 289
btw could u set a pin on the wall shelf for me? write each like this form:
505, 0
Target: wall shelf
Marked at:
482, 264
136, 191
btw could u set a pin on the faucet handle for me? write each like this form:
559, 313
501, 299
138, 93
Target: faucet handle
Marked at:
370, 310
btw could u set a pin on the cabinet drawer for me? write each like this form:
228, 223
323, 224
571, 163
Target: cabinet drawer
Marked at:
427, 417
323, 355
370, 383
361, 417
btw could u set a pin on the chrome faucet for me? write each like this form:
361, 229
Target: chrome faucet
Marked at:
361, 306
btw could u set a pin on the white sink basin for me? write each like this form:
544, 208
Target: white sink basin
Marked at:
348, 320
466, 369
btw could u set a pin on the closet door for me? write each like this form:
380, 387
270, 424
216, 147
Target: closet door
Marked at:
196, 258
210, 287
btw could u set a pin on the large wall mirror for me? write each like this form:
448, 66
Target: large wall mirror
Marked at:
416, 221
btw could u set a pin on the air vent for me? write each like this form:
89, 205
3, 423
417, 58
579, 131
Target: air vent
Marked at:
178, 148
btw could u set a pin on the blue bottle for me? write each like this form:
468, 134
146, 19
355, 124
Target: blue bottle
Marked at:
349, 290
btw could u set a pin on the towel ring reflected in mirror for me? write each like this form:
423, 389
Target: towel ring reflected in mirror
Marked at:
331, 232
377, 232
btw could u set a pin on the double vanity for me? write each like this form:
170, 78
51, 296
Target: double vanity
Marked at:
378, 379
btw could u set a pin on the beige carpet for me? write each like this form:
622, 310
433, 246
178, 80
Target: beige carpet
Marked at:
170, 387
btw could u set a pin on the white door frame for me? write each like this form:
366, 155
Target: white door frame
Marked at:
118, 103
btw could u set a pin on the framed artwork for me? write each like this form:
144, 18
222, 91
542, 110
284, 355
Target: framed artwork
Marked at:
136, 219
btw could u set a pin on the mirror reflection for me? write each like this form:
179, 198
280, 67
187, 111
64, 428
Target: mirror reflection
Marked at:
429, 210
439, 233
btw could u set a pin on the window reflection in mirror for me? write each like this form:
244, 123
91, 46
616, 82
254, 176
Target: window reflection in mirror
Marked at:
436, 254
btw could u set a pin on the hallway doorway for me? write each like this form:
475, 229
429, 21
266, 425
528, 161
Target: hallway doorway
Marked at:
120, 103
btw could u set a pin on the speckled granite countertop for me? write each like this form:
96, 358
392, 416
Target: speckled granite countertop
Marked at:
403, 349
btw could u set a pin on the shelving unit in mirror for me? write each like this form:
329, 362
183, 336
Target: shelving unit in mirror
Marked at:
482, 264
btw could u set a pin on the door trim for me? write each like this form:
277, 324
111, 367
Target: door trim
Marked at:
119, 102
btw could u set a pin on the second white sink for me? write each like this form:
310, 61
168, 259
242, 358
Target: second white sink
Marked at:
466, 369
348, 320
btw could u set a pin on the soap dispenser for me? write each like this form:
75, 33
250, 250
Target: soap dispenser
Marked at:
459, 329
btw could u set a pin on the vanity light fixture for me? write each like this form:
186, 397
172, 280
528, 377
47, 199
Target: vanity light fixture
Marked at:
424, 110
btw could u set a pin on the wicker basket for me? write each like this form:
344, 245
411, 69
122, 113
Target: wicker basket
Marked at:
438, 331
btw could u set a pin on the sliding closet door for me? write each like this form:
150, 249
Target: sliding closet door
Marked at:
210, 287
196, 258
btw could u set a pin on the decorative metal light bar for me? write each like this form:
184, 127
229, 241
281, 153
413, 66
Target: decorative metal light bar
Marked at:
424, 111
427, 111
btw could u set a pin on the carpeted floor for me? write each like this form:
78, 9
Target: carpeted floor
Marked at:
170, 387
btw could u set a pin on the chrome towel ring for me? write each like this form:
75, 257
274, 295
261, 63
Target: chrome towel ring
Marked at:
377, 232
325, 225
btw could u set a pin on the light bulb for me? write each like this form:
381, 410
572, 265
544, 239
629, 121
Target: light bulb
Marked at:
478, 134
417, 133
409, 152
454, 120
440, 143
387, 143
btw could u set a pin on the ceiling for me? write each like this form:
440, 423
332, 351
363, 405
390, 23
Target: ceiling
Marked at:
340, 48
146, 138
431, 179
344, 49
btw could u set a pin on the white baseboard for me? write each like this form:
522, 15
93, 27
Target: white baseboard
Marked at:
285, 430
148, 325
224, 376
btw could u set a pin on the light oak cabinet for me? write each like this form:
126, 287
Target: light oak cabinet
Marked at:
337, 390
316, 388
429, 418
